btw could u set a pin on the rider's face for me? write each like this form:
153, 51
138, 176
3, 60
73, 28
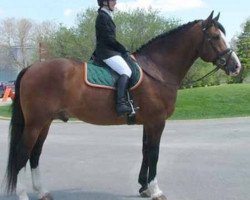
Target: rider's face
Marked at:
112, 4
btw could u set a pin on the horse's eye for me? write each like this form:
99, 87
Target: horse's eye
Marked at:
216, 37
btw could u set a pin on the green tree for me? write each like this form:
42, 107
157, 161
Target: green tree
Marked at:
133, 30
137, 27
243, 45
64, 43
243, 51
86, 32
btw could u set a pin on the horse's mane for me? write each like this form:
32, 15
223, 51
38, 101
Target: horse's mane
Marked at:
219, 25
168, 34
176, 30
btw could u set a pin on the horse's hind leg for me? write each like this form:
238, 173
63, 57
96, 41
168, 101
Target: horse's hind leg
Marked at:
23, 152
21, 186
34, 164
27, 148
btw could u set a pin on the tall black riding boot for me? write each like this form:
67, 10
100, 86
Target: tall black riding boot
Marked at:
122, 106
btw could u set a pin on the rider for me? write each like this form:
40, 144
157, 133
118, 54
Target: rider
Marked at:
110, 51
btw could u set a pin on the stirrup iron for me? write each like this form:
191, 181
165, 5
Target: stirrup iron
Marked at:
134, 109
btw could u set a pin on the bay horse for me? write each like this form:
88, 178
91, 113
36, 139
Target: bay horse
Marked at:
55, 89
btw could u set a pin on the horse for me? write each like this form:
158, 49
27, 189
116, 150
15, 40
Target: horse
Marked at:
55, 89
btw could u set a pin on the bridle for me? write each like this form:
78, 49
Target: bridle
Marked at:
222, 58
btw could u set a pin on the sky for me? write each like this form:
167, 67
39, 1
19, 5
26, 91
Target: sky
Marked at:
233, 14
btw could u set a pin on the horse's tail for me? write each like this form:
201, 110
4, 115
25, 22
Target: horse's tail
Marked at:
16, 129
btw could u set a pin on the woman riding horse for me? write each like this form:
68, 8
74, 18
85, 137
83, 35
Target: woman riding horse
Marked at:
109, 50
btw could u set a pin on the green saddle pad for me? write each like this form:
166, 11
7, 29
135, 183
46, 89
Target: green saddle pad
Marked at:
104, 76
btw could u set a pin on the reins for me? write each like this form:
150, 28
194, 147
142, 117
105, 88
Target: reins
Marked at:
203, 77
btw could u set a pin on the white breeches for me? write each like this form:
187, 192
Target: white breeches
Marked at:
118, 64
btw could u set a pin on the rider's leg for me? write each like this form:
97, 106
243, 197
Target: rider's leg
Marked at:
118, 64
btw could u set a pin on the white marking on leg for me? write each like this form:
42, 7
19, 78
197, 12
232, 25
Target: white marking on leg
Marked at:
154, 189
21, 186
37, 184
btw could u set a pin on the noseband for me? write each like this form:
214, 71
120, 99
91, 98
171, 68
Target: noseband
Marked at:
222, 58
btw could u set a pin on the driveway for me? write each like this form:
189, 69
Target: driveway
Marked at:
199, 160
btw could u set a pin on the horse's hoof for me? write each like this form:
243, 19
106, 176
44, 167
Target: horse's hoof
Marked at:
145, 193
47, 197
162, 197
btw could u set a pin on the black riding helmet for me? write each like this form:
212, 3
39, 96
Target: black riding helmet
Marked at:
100, 3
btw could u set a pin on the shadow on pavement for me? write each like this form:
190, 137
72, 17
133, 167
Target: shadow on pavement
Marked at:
78, 195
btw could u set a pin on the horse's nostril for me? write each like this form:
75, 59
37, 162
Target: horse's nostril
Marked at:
238, 67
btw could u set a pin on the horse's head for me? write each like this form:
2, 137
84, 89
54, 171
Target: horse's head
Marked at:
214, 47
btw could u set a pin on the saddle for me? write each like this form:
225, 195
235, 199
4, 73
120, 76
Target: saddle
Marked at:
101, 75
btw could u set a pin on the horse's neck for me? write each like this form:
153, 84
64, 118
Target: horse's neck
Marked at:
174, 61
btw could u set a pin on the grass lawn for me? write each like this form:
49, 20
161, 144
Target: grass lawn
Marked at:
203, 103
213, 102
5, 111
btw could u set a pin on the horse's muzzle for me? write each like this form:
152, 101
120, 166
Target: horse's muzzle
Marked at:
229, 62
233, 66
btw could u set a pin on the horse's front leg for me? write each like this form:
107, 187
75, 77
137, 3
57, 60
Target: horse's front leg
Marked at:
143, 176
153, 132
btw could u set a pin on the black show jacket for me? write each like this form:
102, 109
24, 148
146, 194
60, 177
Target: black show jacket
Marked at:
106, 43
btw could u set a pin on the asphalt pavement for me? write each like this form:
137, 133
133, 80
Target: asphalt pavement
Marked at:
199, 160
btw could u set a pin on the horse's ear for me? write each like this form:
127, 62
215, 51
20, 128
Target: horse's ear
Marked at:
217, 17
210, 17
208, 22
